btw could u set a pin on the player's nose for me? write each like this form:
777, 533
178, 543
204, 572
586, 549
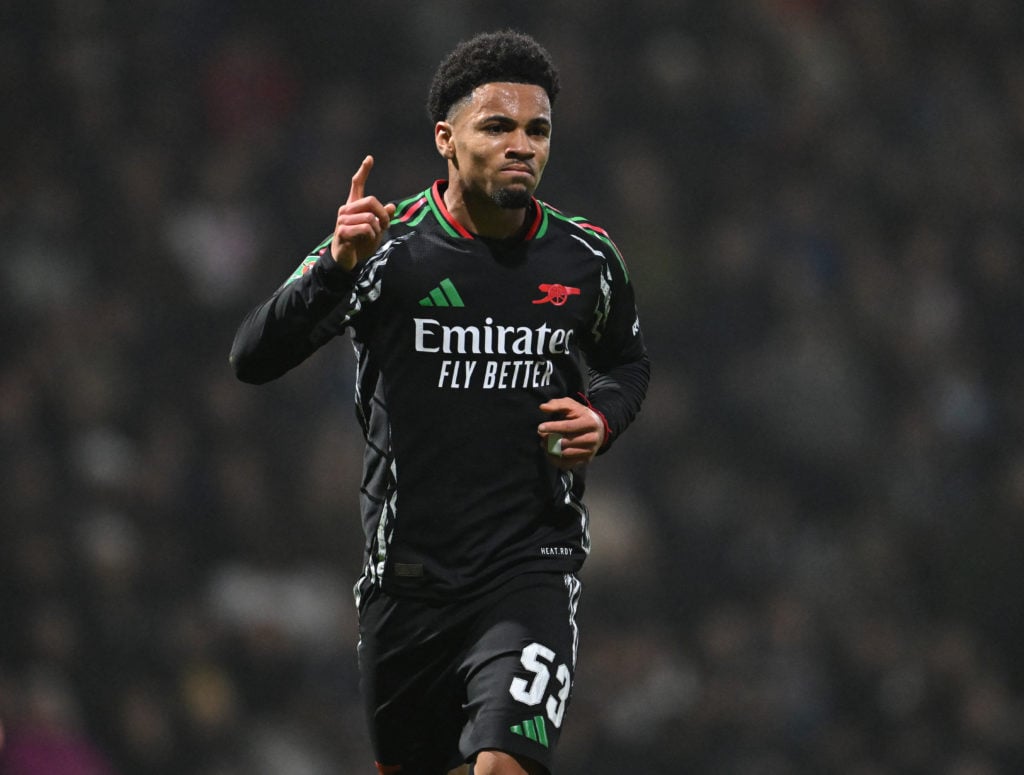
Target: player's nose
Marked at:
519, 145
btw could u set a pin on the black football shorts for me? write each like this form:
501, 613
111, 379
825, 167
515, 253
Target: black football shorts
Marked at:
442, 682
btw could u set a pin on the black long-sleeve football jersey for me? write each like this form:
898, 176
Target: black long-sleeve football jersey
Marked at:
458, 341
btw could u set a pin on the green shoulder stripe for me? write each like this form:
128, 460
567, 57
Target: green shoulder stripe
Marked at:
405, 204
584, 224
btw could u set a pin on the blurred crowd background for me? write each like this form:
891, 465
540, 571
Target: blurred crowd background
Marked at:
807, 552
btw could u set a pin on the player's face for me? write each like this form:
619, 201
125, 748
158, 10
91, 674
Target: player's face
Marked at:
498, 141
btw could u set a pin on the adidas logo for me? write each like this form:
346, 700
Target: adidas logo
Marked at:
532, 729
444, 295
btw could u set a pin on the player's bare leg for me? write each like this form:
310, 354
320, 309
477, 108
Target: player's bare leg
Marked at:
463, 770
501, 763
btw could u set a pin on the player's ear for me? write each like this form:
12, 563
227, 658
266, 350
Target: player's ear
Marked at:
443, 139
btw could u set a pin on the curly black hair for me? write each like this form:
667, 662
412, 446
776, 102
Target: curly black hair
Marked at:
507, 56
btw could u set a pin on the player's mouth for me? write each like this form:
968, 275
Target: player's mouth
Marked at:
519, 169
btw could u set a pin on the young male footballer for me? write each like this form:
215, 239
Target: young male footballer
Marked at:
498, 351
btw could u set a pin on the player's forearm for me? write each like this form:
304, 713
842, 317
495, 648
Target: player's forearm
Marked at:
618, 393
268, 344
289, 326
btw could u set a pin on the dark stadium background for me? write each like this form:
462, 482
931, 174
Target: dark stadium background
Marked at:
807, 553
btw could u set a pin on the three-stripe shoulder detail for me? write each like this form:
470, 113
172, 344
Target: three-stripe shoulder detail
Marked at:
589, 228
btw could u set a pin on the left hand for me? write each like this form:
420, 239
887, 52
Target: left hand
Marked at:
581, 430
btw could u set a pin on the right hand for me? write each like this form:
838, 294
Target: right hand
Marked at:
580, 429
361, 222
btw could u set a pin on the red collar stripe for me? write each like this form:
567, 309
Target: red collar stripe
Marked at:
538, 219
448, 217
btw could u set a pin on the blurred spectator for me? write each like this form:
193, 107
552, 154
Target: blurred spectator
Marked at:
46, 736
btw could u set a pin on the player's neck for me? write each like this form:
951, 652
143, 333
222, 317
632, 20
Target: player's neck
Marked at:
483, 217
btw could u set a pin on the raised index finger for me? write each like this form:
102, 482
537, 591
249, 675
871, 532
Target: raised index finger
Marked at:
359, 180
